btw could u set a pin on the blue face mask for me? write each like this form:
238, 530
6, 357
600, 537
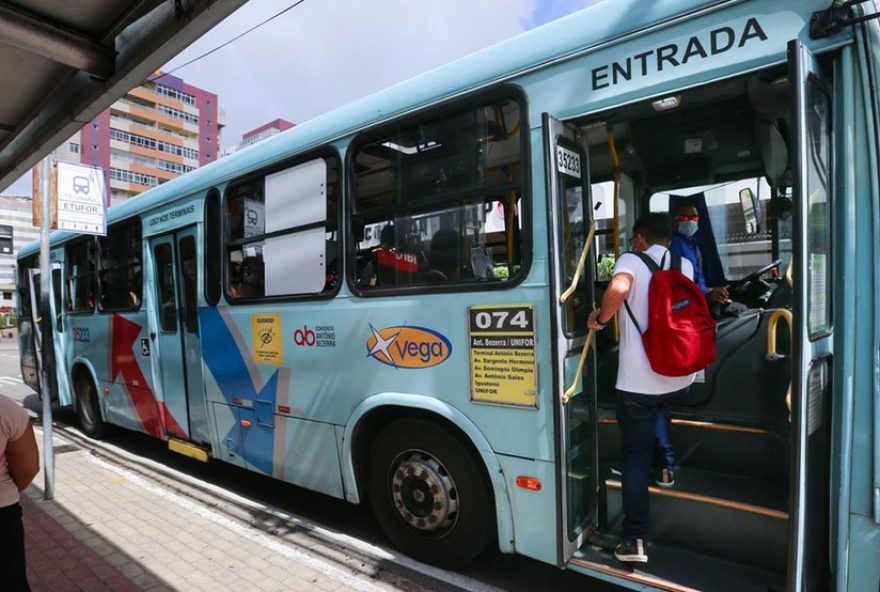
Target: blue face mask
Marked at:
688, 228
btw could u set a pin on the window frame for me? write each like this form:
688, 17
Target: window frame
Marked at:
435, 112
326, 151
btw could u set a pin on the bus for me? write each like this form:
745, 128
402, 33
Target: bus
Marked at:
246, 312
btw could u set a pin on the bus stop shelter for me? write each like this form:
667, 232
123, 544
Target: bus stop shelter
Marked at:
62, 62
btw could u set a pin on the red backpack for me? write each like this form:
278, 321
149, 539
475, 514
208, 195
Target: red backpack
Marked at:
680, 337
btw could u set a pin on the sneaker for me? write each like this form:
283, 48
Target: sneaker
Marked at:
631, 551
665, 478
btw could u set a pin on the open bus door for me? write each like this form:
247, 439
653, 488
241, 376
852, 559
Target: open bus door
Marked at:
174, 335
808, 567
54, 320
568, 192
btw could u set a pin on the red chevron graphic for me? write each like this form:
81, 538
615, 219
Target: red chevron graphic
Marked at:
154, 415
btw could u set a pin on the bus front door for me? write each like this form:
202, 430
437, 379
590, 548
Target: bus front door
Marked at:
809, 567
177, 349
568, 193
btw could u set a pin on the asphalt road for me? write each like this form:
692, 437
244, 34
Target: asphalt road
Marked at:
507, 572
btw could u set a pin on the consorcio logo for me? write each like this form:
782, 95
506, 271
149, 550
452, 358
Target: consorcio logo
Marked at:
408, 347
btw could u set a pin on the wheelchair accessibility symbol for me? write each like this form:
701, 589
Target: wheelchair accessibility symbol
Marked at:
145, 347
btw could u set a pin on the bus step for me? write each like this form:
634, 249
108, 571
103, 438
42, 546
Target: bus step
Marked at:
740, 520
189, 449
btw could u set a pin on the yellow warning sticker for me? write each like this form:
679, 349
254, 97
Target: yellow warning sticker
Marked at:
266, 332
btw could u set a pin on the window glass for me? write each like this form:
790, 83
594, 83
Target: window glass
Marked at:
6, 233
189, 266
212, 248
743, 246
164, 257
56, 296
120, 275
80, 261
818, 235
282, 237
440, 202
574, 230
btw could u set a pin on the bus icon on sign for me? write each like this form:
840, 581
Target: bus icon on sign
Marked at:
81, 185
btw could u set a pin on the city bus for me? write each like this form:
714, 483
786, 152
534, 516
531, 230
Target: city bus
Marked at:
387, 304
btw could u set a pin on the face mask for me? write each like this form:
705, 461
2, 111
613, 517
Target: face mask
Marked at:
688, 228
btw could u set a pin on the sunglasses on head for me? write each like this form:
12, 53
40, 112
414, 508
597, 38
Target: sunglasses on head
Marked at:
684, 218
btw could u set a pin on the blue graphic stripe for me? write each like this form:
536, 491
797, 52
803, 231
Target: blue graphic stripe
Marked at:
227, 364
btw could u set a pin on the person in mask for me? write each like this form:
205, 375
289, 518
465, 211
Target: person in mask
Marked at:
683, 243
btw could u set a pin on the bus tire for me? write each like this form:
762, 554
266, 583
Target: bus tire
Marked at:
88, 408
429, 494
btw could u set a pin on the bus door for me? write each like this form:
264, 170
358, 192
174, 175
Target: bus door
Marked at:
55, 316
808, 567
568, 192
177, 351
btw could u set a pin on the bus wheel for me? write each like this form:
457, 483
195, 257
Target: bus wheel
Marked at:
429, 494
88, 410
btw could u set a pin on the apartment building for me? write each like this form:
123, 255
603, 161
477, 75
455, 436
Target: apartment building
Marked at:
159, 130
276, 126
16, 230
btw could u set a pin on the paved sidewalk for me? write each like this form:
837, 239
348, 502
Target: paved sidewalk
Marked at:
114, 527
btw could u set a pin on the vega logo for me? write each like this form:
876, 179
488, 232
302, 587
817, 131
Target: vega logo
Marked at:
408, 347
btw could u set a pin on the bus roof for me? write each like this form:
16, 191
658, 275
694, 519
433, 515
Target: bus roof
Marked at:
559, 39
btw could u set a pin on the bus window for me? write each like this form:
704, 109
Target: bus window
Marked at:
440, 201
213, 259
80, 274
282, 232
165, 286
120, 269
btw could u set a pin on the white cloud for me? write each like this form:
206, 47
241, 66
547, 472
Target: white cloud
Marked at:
323, 54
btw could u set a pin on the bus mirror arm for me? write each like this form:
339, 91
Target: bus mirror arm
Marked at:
580, 266
566, 396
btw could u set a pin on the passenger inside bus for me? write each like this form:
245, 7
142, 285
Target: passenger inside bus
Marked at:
695, 241
249, 280
444, 260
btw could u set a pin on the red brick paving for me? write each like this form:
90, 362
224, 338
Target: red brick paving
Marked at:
59, 562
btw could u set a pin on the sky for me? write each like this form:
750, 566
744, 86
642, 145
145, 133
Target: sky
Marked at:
322, 54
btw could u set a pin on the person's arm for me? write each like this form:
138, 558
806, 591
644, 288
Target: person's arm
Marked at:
23, 458
614, 296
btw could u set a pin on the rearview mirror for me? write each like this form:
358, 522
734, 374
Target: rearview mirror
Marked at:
749, 204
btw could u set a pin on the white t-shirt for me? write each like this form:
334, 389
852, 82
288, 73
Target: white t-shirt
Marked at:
634, 374
13, 422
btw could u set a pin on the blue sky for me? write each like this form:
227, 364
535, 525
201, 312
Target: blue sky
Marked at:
326, 53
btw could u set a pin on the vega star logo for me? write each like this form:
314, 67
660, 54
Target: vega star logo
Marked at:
408, 347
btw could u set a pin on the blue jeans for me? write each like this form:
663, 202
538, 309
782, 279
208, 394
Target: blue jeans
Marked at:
644, 427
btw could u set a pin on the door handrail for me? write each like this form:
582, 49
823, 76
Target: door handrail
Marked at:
580, 266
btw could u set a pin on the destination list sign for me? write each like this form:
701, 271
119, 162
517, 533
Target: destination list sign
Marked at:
502, 343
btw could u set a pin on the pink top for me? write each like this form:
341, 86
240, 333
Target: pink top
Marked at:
13, 422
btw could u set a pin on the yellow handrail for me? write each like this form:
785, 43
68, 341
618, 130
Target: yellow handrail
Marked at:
772, 323
580, 266
566, 396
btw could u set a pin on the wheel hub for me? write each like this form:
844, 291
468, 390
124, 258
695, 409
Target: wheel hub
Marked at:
423, 492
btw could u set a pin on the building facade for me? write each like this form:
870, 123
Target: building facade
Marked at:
157, 131
16, 230
276, 126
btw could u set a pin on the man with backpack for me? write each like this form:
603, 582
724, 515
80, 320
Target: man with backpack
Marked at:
666, 335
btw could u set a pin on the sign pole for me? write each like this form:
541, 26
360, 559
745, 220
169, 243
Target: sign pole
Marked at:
46, 328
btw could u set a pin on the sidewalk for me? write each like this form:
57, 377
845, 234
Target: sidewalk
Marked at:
115, 527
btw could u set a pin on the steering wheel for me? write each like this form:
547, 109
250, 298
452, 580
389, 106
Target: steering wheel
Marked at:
754, 275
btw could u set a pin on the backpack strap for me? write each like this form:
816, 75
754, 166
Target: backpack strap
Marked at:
652, 267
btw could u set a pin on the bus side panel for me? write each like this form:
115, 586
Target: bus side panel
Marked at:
534, 511
864, 569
